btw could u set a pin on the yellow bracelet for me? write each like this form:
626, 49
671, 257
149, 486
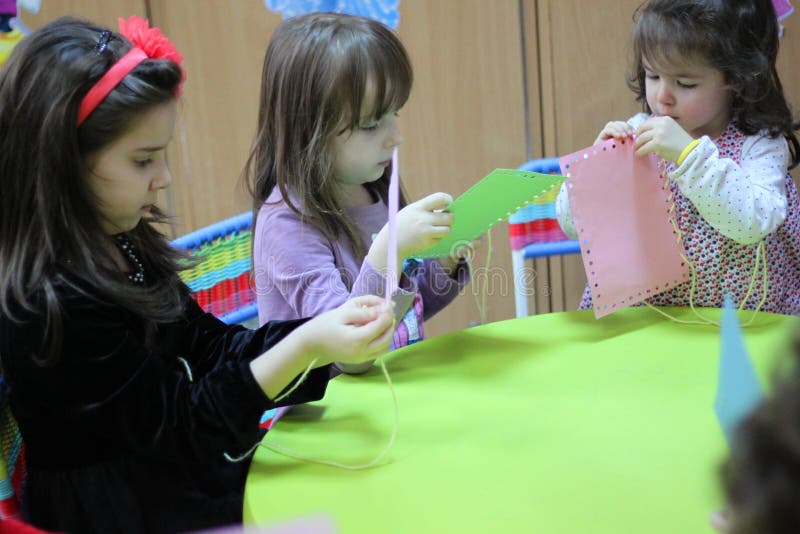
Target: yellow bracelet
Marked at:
686, 150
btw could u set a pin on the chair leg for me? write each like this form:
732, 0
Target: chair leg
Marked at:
520, 293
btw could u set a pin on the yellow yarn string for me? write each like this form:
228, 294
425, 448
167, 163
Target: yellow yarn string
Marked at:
479, 296
299, 380
760, 255
764, 282
285, 451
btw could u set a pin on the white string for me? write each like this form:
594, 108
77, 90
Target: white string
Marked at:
188, 369
237, 459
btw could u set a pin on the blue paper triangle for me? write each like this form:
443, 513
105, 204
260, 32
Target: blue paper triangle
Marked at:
738, 388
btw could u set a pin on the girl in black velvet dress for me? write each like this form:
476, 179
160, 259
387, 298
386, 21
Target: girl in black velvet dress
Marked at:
129, 398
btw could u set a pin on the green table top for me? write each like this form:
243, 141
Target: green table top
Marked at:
551, 423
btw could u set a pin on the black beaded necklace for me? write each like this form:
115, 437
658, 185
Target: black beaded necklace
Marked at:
137, 276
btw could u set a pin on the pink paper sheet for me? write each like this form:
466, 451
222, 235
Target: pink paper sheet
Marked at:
621, 210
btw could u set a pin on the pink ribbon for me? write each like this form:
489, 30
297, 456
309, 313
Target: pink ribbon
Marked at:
391, 255
782, 8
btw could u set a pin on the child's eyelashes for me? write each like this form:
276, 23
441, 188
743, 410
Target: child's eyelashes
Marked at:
142, 163
375, 124
683, 84
145, 158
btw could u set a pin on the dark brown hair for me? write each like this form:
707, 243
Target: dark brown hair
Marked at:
762, 476
50, 234
737, 37
314, 84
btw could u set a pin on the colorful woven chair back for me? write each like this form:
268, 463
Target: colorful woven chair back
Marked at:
12, 459
220, 282
535, 233
536, 222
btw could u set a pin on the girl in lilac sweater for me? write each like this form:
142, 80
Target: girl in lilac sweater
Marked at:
319, 172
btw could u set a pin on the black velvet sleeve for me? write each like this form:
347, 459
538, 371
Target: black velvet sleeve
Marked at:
208, 341
111, 393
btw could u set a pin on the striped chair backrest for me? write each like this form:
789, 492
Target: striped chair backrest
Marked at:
536, 222
535, 233
220, 282
12, 459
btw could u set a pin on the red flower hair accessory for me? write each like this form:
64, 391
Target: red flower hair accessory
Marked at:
154, 43
148, 43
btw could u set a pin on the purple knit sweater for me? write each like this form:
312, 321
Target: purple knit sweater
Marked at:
300, 273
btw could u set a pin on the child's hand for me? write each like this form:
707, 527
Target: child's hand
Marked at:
662, 136
721, 520
357, 331
423, 224
614, 129
468, 251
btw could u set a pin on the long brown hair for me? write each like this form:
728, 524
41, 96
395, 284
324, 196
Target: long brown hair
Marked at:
50, 234
737, 37
315, 76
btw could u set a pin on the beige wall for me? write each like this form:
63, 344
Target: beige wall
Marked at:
496, 82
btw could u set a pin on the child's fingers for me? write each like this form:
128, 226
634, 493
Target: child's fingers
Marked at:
439, 232
375, 328
360, 315
367, 300
619, 134
646, 126
643, 137
382, 341
646, 147
363, 310
615, 130
442, 218
435, 201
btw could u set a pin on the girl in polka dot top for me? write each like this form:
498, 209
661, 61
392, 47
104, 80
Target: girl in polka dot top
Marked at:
715, 112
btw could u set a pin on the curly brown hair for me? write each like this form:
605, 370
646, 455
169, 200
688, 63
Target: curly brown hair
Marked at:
737, 37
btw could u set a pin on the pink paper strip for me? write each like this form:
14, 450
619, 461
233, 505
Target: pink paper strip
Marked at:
621, 210
391, 256
782, 8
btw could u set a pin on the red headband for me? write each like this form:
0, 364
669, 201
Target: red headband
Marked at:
148, 43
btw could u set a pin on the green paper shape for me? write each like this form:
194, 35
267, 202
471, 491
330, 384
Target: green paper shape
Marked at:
490, 201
